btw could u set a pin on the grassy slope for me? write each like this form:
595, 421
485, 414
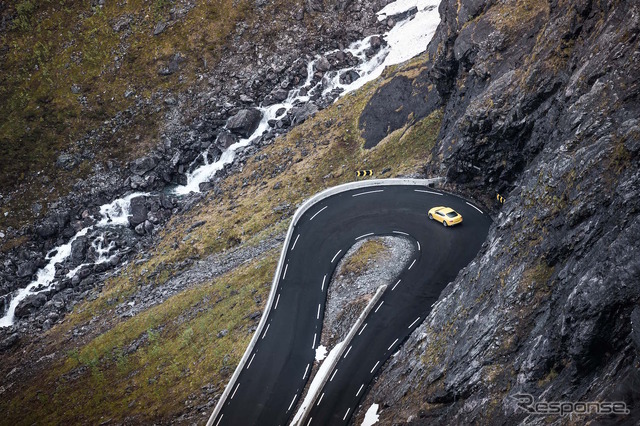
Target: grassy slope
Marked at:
180, 352
52, 45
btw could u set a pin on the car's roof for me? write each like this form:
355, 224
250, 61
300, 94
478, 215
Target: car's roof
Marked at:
445, 210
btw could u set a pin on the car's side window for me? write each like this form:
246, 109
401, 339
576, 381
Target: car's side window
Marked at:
439, 214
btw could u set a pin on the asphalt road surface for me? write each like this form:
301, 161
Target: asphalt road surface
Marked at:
271, 384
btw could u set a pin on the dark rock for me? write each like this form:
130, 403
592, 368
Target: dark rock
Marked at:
225, 140
27, 268
301, 113
143, 165
67, 162
160, 27
140, 229
223, 333
9, 342
322, 65
30, 304
79, 250
245, 122
138, 211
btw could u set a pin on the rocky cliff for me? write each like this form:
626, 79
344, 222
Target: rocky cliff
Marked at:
541, 106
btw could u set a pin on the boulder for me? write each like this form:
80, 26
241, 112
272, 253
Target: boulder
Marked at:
9, 342
245, 122
301, 113
225, 140
138, 211
143, 165
26, 269
29, 305
79, 250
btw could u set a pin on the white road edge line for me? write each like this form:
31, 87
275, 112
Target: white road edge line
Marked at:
400, 232
428, 192
394, 342
359, 390
265, 331
314, 340
379, 306
395, 285
365, 235
362, 329
334, 257
412, 263
481, 212
277, 300
323, 280
413, 323
332, 376
252, 357
309, 422
374, 367
285, 271
236, 390
318, 314
367, 192
294, 243
312, 217
305, 372
220, 419
320, 400
346, 414
292, 401
348, 350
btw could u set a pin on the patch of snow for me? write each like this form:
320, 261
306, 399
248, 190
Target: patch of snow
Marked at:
321, 353
371, 416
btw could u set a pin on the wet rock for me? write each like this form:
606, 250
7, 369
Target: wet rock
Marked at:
138, 211
245, 122
225, 140
79, 250
29, 305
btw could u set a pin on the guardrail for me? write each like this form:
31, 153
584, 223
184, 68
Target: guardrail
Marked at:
274, 286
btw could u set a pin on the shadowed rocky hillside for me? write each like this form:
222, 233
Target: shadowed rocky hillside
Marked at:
540, 105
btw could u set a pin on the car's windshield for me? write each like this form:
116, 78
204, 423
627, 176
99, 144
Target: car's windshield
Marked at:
452, 214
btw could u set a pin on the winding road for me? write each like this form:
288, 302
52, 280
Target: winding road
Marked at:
271, 381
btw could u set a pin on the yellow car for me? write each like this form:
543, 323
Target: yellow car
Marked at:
445, 215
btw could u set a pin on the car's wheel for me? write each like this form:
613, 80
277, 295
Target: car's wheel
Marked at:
430, 216
444, 222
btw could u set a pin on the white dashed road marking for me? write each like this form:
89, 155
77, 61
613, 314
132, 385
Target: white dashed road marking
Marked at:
292, 401
251, 360
265, 331
346, 414
294, 243
394, 342
359, 390
400, 232
347, 353
379, 306
365, 235
428, 192
412, 263
412, 324
333, 375
395, 285
368, 192
277, 300
334, 257
362, 329
312, 217
236, 390
475, 207
374, 367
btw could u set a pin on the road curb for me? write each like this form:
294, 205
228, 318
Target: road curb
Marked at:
345, 344
306, 205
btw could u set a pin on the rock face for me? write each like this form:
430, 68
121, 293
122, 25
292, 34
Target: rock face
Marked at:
541, 105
